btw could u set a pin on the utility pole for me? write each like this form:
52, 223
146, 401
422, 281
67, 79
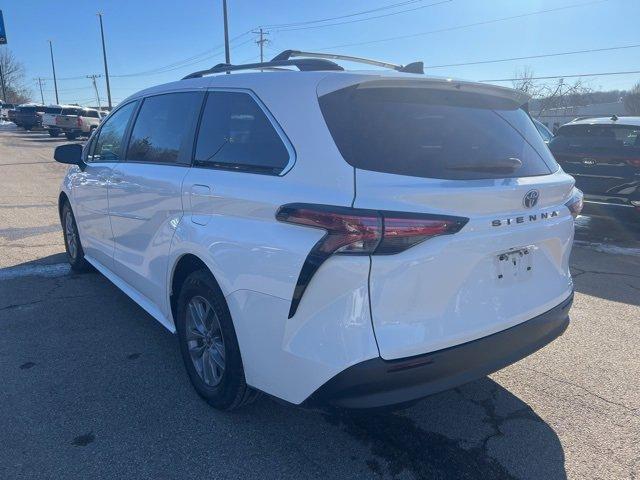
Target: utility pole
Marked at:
39, 79
227, 56
104, 57
261, 42
95, 87
53, 67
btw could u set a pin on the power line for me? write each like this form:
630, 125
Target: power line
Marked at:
468, 25
363, 12
181, 64
363, 19
563, 76
575, 52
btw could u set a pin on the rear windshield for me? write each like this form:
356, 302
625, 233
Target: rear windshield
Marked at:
433, 133
71, 111
28, 109
611, 138
53, 110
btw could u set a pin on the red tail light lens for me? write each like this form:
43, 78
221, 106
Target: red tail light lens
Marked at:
353, 231
79, 121
634, 162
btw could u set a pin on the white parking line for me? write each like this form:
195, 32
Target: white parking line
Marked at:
54, 270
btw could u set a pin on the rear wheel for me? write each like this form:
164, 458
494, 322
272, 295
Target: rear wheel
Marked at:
54, 133
72, 245
208, 344
71, 136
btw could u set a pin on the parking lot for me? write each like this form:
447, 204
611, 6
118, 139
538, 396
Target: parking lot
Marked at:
93, 387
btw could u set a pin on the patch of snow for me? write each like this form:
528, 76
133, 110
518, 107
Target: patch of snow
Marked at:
608, 248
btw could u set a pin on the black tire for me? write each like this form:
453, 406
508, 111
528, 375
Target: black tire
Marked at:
231, 391
71, 136
54, 133
75, 255
28, 128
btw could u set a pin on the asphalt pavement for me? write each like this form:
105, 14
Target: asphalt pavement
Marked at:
92, 387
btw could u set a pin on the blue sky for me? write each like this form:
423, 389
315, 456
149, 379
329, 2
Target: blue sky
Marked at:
145, 36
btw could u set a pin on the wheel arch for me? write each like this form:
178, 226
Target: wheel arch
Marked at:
184, 265
62, 199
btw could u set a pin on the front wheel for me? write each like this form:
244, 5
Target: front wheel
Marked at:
54, 133
208, 344
72, 245
71, 136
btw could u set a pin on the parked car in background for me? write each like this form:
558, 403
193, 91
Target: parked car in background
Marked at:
11, 114
603, 155
78, 121
4, 110
29, 115
49, 119
543, 130
363, 239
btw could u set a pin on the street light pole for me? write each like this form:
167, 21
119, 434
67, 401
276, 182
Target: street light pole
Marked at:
53, 67
104, 57
4, 93
227, 56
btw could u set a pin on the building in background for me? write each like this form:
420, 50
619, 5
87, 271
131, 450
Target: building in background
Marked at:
553, 118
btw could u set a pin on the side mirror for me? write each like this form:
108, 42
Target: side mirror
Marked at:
70, 154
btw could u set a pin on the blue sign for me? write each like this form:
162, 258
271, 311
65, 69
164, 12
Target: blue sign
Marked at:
3, 32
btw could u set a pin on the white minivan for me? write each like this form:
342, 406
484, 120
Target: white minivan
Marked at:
357, 238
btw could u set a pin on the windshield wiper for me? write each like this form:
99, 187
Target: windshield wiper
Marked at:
503, 165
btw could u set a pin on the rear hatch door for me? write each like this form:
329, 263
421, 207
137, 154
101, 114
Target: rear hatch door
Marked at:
455, 150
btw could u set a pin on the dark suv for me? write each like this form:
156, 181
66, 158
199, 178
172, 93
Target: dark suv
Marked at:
603, 155
29, 116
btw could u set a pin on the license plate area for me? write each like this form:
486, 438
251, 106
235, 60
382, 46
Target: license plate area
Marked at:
515, 263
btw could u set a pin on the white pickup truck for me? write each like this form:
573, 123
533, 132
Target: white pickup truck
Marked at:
77, 121
49, 119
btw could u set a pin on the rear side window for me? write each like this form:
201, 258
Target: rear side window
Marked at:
432, 133
108, 145
161, 127
52, 110
91, 114
236, 134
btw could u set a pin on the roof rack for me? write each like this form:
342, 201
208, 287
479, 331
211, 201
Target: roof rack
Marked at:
303, 64
414, 67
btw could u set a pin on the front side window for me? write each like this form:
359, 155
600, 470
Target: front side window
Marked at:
235, 134
110, 140
162, 126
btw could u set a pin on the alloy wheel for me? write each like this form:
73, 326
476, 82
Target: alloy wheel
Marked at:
205, 341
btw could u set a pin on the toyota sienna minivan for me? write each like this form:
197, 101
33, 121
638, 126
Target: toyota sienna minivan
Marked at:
356, 238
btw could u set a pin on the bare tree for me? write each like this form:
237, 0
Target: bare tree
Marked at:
13, 73
632, 100
559, 94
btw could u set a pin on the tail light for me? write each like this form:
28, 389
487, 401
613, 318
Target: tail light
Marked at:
79, 121
634, 162
353, 231
575, 203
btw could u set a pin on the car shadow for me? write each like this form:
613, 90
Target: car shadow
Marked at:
116, 377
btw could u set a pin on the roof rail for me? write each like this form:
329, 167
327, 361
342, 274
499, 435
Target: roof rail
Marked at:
415, 67
303, 64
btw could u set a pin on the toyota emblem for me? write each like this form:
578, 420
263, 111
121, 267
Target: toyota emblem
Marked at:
531, 198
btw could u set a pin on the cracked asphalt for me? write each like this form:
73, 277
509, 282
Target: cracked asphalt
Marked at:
93, 387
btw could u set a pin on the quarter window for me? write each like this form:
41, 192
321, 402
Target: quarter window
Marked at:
109, 143
236, 134
162, 127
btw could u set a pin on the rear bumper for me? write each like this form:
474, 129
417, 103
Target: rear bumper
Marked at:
377, 383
